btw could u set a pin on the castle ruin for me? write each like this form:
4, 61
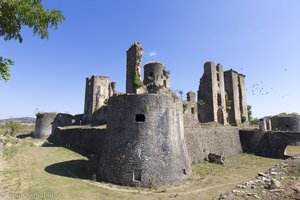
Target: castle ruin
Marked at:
222, 96
150, 135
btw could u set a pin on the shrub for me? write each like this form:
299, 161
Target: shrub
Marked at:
12, 128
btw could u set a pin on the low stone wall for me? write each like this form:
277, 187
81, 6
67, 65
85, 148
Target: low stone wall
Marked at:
286, 123
87, 140
201, 141
269, 144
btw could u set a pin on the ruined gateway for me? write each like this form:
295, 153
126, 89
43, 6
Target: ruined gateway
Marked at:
148, 135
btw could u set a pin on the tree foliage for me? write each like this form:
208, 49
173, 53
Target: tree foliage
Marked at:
15, 14
4, 68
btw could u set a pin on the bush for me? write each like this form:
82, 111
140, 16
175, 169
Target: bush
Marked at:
12, 128
184, 106
254, 121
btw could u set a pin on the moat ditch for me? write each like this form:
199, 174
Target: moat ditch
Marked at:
64, 174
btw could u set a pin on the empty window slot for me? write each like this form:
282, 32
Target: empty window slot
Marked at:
193, 110
184, 171
219, 100
151, 74
140, 118
137, 175
165, 83
218, 77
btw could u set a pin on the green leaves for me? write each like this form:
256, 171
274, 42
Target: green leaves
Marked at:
5, 63
17, 13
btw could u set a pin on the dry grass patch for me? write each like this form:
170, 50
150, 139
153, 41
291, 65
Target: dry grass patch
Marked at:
66, 174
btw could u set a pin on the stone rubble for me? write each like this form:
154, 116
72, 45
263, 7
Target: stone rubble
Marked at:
282, 181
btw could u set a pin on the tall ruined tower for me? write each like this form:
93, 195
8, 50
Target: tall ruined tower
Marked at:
211, 95
133, 68
243, 98
145, 142
233, 97
98, 90
236, 97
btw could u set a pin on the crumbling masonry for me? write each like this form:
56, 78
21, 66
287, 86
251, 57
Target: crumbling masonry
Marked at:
152, 136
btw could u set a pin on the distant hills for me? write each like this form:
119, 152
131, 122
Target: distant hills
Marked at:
25, 120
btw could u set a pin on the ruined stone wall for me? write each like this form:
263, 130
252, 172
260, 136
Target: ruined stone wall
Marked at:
269, 144
218, 140
233, 97
43, 124
243, 98
99, 116
145, 141
98, 90
155, 73
190, 110
133, 68
286, 123
88, 140
46, 123
211, 95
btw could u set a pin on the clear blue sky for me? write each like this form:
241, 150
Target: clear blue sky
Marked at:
258, 38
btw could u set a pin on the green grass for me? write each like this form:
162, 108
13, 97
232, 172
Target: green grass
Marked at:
68, 175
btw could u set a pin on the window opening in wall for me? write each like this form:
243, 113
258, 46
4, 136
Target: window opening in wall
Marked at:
165, 83
151, 74
218, 77
184, 171
193, 110
140, 118
219, 100
137, 175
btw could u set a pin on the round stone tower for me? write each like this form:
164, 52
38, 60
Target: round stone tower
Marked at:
286, 123
145, 141
43, 124
154, 72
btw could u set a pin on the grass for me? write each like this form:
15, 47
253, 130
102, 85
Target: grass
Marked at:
292, 150
64, 174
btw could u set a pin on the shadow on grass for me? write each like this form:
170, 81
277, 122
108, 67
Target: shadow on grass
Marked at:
81, 169
26, 135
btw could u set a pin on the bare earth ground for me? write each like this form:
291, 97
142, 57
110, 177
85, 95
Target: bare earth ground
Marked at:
58, 173
281, 181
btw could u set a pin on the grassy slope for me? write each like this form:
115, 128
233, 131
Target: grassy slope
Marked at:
26, 163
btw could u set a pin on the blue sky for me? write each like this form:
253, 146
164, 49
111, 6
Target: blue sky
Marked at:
260, 39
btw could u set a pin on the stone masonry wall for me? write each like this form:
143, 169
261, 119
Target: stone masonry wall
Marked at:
145, 141
219, 140
87, 140
133, 67
43, 124
233, 97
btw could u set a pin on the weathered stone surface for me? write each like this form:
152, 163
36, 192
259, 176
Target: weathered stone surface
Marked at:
286, 123
275, 184
88, 140
214, 158
219, 140
269, 144
155, 73
133, 67
190, 110
145, 141
97, 92
211, 95
43, 124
